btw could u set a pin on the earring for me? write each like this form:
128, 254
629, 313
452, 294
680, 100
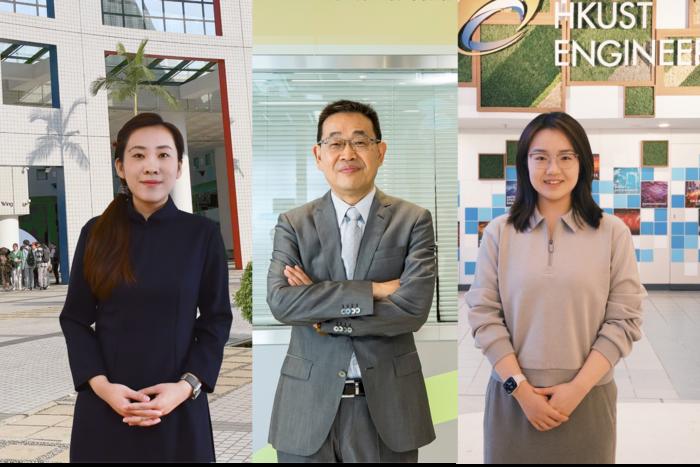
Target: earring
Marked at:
124, 189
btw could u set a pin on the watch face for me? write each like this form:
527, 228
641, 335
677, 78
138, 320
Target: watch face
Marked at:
510, 385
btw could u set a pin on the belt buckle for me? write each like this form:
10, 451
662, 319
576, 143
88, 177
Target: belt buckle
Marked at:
357, 389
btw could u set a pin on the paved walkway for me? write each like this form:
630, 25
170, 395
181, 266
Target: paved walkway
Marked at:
36, 407
658, 386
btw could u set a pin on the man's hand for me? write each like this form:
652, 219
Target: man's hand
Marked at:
564, 398
296, 276
168, 397
382, 290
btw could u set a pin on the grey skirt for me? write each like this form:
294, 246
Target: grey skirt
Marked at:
589, 437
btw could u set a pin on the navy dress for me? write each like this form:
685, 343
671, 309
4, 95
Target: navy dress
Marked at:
149, 333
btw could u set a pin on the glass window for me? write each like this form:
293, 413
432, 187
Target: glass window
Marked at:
113, 20
183, 16
112, 6
173, 9
195, 27
193, 11
135, 22
174, 25
25, 7
27, 72
209, 12
155, 24
153, 7
133, 7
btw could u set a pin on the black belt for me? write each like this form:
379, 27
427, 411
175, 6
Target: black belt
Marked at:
353, 388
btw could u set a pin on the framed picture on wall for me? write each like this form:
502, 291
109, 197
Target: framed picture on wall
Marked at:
632, 219
626, 181
596, 166
511, 191
492, 166
692, 194
654, 194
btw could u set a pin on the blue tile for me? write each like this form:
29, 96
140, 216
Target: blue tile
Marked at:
660, 215
678, 175
647, 228
511, 173
498, 212
620, 202
647, 256
471, 228
595, 187
677, 201
677, 228
647, 174
660, 228
691, 242
691, 174
596, 198
606, 187
609, 211
471, 214
469, 268
638, 254
484, 214
634, 201
677, 242
677, 256
499, 201
691, 228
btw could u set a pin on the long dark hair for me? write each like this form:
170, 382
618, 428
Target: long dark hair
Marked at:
584, 207
106, 263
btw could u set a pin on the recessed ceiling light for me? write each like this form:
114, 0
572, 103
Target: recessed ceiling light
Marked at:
664, 125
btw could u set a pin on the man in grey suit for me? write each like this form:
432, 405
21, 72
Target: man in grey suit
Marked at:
353, 273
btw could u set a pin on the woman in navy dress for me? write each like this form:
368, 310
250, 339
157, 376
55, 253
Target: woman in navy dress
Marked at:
140, 273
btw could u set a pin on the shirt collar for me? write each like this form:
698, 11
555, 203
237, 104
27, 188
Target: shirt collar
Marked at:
568, 219
168, 211
364, 205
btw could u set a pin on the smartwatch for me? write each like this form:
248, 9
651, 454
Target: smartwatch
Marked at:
193, 381
512, 383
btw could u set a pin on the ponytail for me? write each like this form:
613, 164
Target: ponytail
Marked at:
106, 263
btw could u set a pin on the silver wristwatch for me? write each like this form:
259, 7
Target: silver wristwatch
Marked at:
193, 381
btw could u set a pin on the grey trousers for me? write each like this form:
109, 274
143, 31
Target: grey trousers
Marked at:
353, 438
589, 437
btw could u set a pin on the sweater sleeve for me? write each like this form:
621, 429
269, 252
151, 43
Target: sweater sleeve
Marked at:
485, 314
77, 317
623, 313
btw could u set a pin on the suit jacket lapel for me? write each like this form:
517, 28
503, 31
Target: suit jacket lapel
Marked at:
329, 235
379, 216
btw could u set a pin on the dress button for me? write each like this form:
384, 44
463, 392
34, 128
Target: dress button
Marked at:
336, 328
342, 374
349, 330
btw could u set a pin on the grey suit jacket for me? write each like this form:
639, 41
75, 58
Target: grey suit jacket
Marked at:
398, 242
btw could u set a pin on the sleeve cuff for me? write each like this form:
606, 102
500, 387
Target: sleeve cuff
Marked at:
499, 349
608, 349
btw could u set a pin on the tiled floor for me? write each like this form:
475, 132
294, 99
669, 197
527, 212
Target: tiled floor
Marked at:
658, 384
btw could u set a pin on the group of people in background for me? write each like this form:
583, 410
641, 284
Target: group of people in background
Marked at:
28, 267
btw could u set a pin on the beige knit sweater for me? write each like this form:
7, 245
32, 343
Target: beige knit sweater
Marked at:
551, 303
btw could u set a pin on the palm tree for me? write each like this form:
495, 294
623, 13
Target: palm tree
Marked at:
132, 78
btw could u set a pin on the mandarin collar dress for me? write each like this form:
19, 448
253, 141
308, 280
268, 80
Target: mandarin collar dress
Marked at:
176, 318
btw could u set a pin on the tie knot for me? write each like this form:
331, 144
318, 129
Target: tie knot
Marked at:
353, 214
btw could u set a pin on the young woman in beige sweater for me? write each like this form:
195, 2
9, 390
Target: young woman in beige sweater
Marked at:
555, 303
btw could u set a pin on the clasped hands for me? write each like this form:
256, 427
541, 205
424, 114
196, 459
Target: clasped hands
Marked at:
548, 408
296, 277
136, 407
